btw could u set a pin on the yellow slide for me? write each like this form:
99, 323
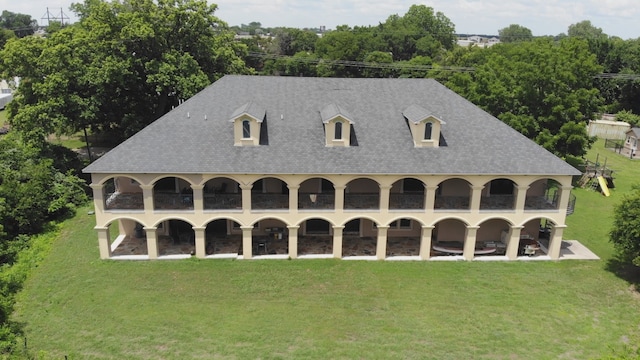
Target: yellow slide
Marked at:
603, 186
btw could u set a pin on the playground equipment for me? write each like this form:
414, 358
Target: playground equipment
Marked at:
597, 177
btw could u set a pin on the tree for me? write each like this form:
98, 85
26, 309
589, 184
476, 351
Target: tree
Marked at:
21, 24
629, 117
5, 35
514, 33
625, 233
419, 32
542, 88
123, 65
585, 30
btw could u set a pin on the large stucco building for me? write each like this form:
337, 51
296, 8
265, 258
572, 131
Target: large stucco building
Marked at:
286, 167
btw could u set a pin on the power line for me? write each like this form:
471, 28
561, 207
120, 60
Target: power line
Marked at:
363, 64
405, 66
618, 76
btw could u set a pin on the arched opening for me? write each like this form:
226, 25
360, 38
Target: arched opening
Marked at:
222, 193
172, 193
315, 237
223, 238
403, 238
498, 194
175, 237
448, 238
453, 194
493, 234
316, 193
270, 237
269, 194
535, 237
542, 194
122, 193
407, 193
359, 238
127, 237
362, 193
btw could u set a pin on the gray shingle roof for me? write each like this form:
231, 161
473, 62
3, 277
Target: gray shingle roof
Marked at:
477, 143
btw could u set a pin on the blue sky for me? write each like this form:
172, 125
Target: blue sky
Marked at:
543, 17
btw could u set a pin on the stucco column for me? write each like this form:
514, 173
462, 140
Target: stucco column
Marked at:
201, 246
293, 241
470, 242
430, 197
103, 242
337, 241
152, 242
476, 195
246, 197
293, 198
339, 201
247, 238
425, 242
147, 196
555, 241
198, 198
98, 197
521, 197
385, 191
381, 244
563, 200
513, 242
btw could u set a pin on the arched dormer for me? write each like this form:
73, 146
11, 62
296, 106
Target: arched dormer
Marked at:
337, 125
247, 121
425, 127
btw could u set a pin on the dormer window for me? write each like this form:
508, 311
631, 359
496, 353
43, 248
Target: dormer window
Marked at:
428, 128
247, 125
337, 126
425, 127
246, 129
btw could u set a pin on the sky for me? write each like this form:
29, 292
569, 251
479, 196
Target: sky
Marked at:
486, 17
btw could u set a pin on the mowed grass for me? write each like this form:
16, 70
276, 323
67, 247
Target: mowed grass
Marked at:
79, 306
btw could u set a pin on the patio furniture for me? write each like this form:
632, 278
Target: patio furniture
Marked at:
530, 250
261, 244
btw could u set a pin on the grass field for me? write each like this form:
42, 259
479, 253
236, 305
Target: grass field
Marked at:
77, 305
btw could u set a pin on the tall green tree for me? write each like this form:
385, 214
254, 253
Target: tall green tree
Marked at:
123, 65
625, 232
21, 24
515, 33
542, 88
420, 32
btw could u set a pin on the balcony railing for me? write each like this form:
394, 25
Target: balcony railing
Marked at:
406, 201
222, 201
497, 202
451, 202
172, 201
260, 201
316, 201
361, 201
541, 203
124, 201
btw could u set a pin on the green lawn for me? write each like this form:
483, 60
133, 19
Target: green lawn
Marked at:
77, 305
